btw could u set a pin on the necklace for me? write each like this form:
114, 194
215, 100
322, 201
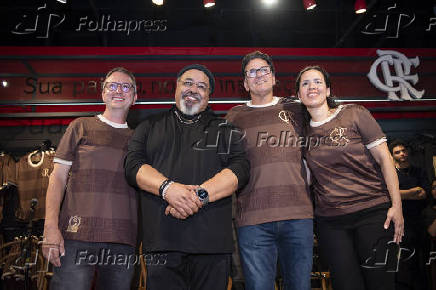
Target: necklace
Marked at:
186, 120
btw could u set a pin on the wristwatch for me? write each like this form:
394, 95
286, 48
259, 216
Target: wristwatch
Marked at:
203, 195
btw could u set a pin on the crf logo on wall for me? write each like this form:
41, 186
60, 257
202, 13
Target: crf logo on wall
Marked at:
401, 81
393, 20
40, 23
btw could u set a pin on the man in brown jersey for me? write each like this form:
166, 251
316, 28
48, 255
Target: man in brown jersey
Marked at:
91, 212
274, 211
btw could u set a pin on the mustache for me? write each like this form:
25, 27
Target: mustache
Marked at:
116, 94
196, 96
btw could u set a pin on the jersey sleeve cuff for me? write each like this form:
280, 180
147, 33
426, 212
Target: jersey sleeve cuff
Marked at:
376, 143
62, 161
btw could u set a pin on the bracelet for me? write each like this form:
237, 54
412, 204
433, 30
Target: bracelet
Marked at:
164, 191
162, 186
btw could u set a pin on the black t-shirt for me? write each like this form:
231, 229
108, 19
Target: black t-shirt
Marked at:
412, 177
429, 215
188, 154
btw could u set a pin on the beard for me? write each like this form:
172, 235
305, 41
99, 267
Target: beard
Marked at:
189, 108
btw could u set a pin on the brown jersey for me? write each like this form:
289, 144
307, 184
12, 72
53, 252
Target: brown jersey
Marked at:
7, 171
277, 189
346, 176
99, 205
31, 178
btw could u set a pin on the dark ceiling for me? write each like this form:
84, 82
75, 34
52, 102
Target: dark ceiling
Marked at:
251, 23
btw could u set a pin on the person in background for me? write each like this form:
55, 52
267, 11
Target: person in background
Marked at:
430, 213
354, 184
274, 213
414, 190
99, 211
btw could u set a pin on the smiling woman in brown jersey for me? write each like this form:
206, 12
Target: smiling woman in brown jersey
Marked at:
354, 185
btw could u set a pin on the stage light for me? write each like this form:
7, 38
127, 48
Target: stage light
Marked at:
208, 3
62, 1
360, 6
5, 83
309, 4
269, 2
157, 2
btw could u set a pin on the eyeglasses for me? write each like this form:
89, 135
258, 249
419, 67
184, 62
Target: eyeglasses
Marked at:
113, 86
252, 73
200, 86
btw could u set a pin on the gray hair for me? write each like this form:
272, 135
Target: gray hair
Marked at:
121, 70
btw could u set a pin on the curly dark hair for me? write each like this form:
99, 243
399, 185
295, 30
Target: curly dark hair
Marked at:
395, 143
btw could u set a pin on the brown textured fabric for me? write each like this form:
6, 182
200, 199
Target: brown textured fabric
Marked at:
99, 205
7, 165
347, 177
277, 189
31, 178
7, 171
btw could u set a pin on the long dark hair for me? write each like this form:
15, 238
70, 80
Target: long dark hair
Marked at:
331, 102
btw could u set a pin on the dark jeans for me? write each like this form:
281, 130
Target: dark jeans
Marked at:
113, 263
291, 241
354, 246
182, 271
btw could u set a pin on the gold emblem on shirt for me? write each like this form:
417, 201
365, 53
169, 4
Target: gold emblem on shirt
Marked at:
45, 172
337, 136
285, 116
73, 224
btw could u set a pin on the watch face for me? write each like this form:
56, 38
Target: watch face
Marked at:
202, 193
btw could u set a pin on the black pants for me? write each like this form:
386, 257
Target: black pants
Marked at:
412, 272
354, 246
181, 271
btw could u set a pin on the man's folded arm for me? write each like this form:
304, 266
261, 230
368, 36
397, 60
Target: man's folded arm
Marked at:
237, 172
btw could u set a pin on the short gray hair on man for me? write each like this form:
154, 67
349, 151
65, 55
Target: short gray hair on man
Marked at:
121, 70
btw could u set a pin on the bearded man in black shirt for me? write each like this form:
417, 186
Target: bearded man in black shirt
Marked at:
187, 162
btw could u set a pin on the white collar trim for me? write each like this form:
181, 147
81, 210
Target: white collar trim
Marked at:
328, 119
112, 124
275, 101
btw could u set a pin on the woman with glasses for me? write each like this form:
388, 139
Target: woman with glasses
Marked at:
357, 200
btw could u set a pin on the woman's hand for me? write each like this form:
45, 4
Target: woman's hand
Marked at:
395, 214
